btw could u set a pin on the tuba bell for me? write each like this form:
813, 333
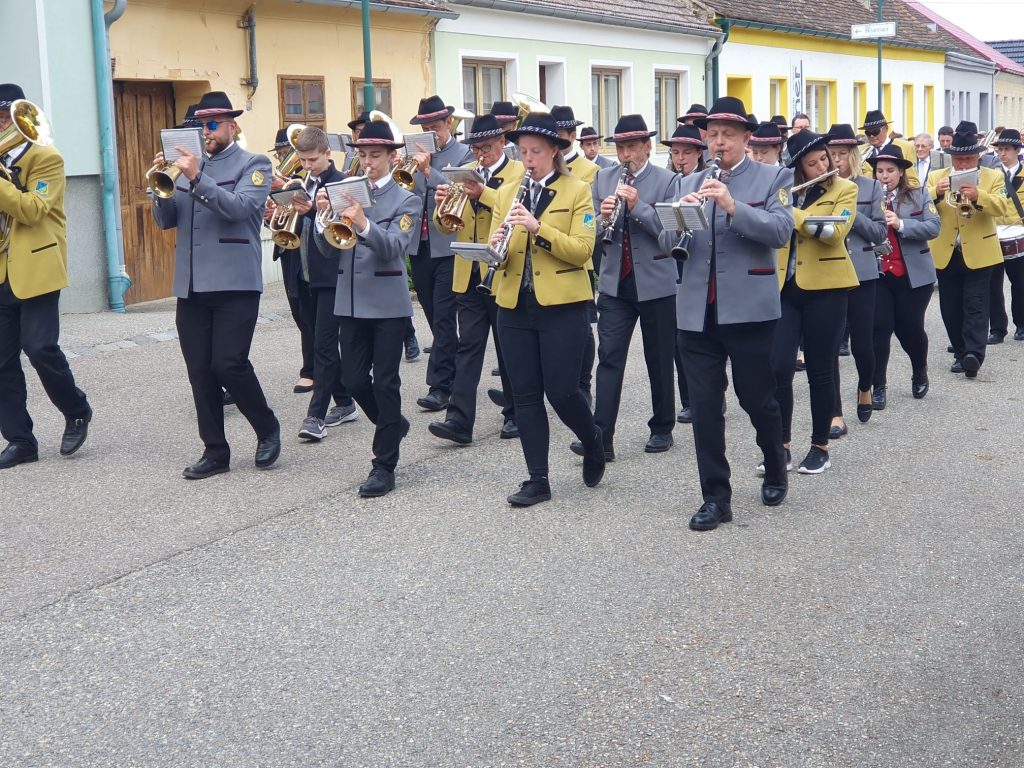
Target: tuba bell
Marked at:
28, 123
527, 105
291, 164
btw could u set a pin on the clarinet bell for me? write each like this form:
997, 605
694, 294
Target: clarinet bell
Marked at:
681, 250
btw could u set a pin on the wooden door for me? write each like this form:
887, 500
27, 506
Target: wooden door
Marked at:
140, 111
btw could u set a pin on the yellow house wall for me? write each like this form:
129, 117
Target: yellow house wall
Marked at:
1010, 100
198, 45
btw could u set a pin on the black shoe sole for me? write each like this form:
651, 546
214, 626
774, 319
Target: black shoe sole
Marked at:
375, 494
71, 451
445, 434
971, 364
25, 460
269, 462
649, 449
204, 475
509, 435
528, 502
709, 527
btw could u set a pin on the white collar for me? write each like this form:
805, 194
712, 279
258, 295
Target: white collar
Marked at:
571, 156
383, 184
544, 182
1012, 171
16, 152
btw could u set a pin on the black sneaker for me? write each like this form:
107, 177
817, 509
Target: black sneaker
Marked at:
1018, 334
531, 492
312, 429
815, 462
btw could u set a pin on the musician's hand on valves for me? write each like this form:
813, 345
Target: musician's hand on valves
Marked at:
969, 192
892, 220
322, 201
188, 163
519, 216
943, 186
158, 160
607, 207
355, 213
690, 198
629, 194
440, 194
713, 189
473, 189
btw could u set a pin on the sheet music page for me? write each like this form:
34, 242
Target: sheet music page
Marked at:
358, 187
189, 138
427, 139
669, 216
693, 216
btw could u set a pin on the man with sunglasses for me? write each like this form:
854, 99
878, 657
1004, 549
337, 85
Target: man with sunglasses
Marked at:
217, 209
876, 128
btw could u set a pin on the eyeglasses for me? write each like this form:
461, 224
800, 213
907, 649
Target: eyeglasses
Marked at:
211, 125
873, 132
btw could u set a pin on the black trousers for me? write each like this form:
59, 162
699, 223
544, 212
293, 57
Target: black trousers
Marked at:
303, 307
327, 368
372, 349
33, 326
589, 350
860, 322
215, 332
964, 304
818, 316
432, 279
748, 346
998, 321
478, 318
616, 321
543, 351
900, 309
684, 389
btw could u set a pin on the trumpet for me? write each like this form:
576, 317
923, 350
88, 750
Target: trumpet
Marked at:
403, 173
956, 199
501, 249
609, 223
449, 213
339, 231
284, 223
28, 123
681, 250
162, 179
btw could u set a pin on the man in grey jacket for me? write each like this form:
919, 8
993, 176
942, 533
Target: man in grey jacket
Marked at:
217, 208
728, 304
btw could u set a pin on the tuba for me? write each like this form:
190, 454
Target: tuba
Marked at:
527, 105
458, 117
284, 223
28, 123
291, 164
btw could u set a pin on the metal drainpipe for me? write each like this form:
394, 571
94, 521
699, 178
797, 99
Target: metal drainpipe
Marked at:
711, 84
118, 281
252, 82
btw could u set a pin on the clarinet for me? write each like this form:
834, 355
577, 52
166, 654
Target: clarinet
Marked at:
609, 223
883, 249
501, 249
681, 250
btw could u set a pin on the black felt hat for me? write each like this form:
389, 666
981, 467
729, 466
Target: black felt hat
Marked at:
726, 109
1010, 137
540, 124
842, 134
686, 134
966, 143
966, 126
564, 118
630, 128
589, 134
431, 110
377, 133
363, 119
505, 111
190, 121
9, 93
280, 140
874, 119
695, 111
215, 104
766, 135
484, 127
893, 154
782, 122
802, 143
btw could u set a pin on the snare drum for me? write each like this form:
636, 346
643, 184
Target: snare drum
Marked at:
1011, 240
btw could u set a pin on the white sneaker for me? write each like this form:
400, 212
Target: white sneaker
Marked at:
789, 463
341, 414
312, 429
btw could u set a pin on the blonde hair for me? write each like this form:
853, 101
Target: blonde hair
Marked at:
853, 158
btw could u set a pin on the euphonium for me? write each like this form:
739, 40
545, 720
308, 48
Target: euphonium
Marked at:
284, 224
28, 123
449, 213
501, 249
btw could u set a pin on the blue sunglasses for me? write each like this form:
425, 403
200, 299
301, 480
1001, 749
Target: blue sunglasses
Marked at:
211, 125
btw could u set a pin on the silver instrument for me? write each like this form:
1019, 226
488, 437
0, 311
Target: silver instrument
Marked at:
501, 249
609, 223
681, 250
884, 248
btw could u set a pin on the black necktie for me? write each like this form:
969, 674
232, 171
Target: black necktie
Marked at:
6, 159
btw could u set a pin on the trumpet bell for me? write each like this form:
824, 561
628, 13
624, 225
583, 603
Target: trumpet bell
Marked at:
450, 223
286, 240
163, 179
403, 175
341, 235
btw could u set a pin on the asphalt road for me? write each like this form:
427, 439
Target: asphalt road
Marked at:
275, 619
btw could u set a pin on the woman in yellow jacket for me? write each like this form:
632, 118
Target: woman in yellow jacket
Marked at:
815, 273
542, 291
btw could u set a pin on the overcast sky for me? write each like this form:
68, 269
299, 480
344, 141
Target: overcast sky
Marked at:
981, 17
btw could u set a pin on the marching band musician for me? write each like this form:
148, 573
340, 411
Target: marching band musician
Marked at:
1008, 145
542, 301
966, 250
433, 263
907, 273
815, 273
590, 144
218, 280
765, 144
372, 300
728, 304
33, 270
578, 165
478, 312
296, 288
876, 129
637, 282
319, 263
507, 116
693, 114
867, 232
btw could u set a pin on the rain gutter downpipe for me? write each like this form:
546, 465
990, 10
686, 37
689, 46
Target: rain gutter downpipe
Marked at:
118, 281
711, 64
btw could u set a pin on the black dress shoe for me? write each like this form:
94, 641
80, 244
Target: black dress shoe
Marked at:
772, 495
531, 492
956, 367
710, 515
228, 399
801, 365
379, 483
864, 411
971, 363
497, 397
405, 427
919, 385
495, 371
205, 468
298, 389
576, 447
1018, 334
450, 430
594, 461
412, 349
949, 348
685, 415
13, 455
844, 348
834, 432
75, 432
509, 430
268, 449
427, 350
878, 398
995, 338
658, 443
436, 400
